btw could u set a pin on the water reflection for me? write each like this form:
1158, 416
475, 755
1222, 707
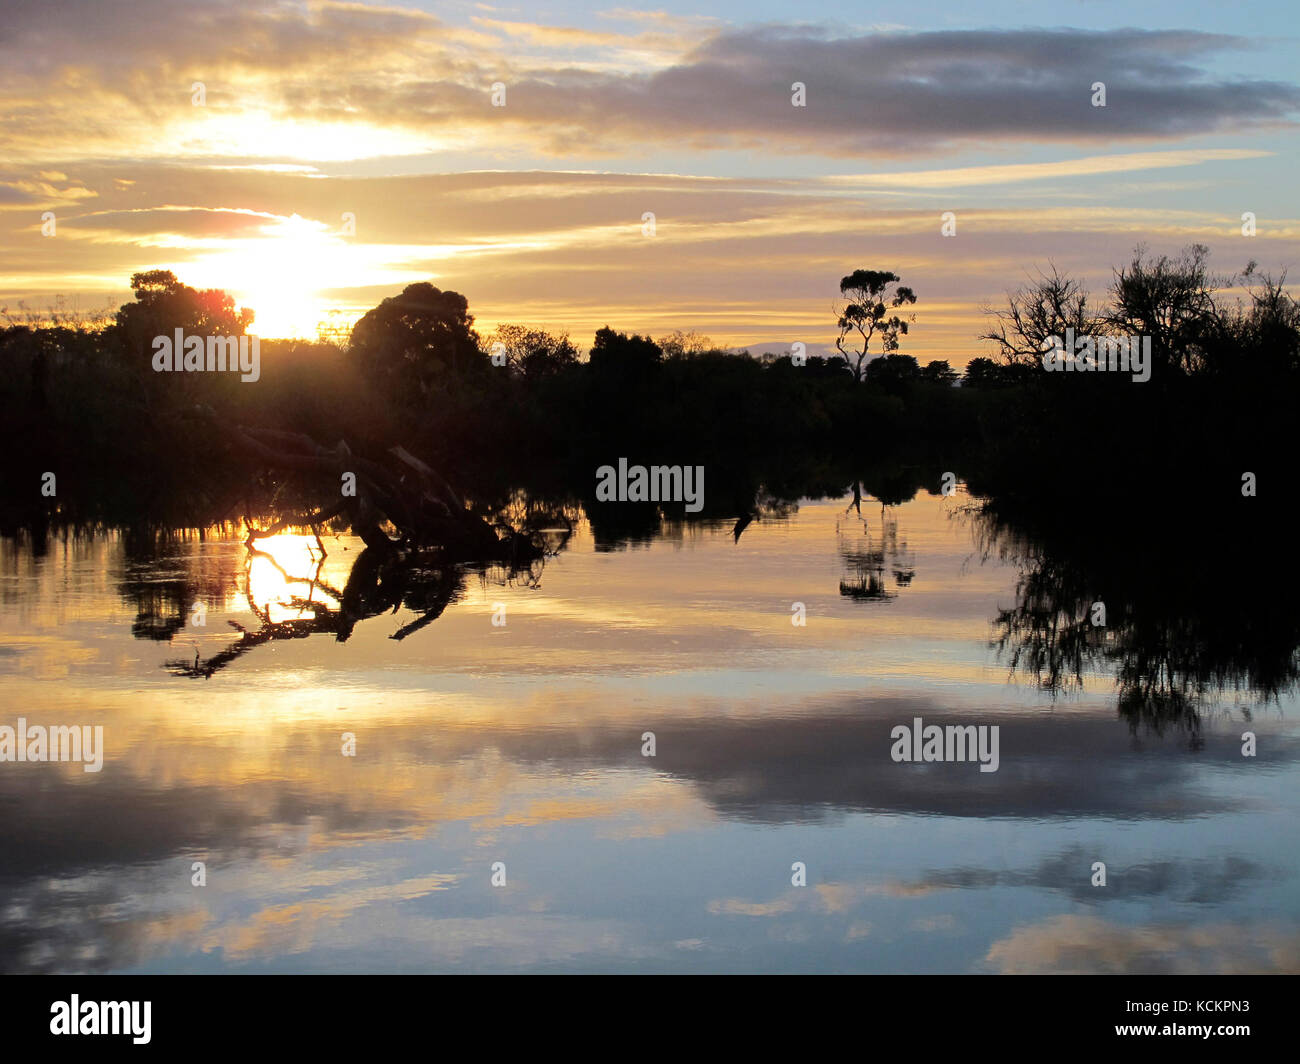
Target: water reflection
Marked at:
1173, 645
1155, 608
164, 583
866, 556
287, 586
523, 743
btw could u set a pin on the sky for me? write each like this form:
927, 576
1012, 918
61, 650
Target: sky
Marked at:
315, 158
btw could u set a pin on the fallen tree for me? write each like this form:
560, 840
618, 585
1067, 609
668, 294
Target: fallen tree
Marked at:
396, 491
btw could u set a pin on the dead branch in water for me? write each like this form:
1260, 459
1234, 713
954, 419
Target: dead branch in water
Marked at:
405, 492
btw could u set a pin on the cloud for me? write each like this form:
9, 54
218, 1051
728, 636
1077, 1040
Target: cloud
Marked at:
153, 224
1070, 944
746, 261
1006, 173
294, 81
899, 93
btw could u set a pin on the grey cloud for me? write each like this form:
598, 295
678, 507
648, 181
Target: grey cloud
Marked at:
42, 35
14, 194
880, 93
911, 92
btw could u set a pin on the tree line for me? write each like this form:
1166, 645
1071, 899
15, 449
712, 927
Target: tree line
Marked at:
523, 400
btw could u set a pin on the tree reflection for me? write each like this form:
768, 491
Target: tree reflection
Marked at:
866, 555
284, 585
1181, 628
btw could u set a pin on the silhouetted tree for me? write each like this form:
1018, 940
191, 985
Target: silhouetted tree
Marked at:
1172, 301
534, 353
981, 373
939, 372
1261, 338
892, 372
623, 354
1035, 313
867, 314
162, 305
677, 344
418, 343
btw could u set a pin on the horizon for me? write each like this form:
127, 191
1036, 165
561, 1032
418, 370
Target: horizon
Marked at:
232, 143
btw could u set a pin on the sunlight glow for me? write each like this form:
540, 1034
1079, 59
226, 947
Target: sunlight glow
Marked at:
250, 134
283, 572
280, 276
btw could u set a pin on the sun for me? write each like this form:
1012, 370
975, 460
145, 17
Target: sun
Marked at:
280, 273
292, 270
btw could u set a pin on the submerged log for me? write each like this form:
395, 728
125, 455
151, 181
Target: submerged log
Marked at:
404, 492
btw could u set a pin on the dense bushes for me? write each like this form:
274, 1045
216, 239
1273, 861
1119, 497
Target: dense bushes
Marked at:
521, 404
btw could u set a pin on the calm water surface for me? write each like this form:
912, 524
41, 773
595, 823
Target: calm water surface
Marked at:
521, 743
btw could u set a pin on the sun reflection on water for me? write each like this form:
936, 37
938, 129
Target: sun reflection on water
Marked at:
282, 574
